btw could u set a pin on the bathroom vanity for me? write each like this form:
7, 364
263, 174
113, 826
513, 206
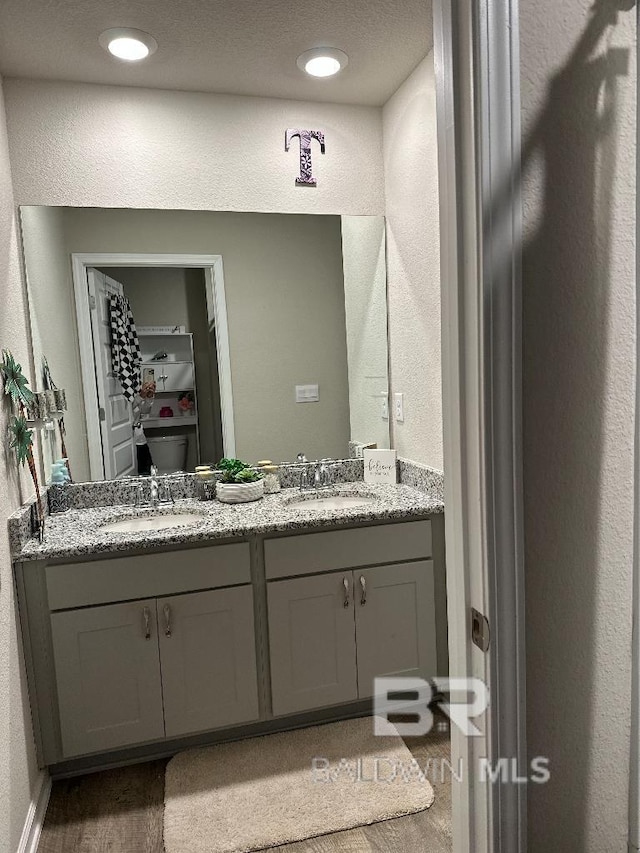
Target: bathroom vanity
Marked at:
260, 617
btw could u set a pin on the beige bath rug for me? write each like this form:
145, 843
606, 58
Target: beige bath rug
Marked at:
271, 790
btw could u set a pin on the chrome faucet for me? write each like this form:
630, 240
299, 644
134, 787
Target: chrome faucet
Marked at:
153, 487
320, 479
324, 475
304, 479
156, 488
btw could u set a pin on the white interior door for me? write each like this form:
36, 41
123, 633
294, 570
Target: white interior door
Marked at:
116, 414
479, 142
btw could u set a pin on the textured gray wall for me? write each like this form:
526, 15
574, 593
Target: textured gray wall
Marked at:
413, 262
18, 770
112, 146
578, 106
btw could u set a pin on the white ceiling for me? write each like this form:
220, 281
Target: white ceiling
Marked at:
246, 47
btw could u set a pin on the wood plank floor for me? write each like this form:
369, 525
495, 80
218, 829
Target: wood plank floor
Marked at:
120, 811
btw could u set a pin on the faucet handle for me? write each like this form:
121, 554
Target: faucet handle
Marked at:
304, 479
325, 473
168, 495
138, 494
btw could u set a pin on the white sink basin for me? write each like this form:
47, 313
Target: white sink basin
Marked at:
333, 502
152, 522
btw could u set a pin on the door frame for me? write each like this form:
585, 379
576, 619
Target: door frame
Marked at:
634, 741
216, 312
476, 47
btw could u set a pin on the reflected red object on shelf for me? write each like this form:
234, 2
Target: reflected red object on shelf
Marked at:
166, 412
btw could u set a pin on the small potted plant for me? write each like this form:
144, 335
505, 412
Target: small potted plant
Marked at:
239, 483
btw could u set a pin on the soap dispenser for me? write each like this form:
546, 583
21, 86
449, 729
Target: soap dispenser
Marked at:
271, 478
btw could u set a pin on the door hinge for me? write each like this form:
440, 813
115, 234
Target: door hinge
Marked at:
92, 302
102, 414
480, 630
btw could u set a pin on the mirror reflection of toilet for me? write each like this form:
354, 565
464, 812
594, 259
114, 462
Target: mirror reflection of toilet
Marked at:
169, 453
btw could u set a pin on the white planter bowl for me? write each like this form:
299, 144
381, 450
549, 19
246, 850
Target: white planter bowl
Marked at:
239, 493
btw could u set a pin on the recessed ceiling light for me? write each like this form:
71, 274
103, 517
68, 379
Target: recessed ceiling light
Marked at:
128, 44
322, 61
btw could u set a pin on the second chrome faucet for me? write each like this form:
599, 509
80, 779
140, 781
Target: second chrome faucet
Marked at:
316, 475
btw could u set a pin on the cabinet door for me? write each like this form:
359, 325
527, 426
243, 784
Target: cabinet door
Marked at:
108, 676
208, 659
312, 642
174, 376
395, 623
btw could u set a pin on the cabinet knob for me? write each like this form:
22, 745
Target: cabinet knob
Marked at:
167, 620
363, 597
345, 583
146, 616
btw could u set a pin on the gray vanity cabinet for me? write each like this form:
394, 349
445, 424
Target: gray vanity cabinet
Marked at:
108, 676
208, 659
332, 632
152, 648
312, 642
145, 670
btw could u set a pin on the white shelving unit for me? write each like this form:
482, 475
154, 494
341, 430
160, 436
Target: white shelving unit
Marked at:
173, 376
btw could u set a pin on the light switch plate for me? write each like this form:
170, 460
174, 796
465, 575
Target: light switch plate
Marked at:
385, 407
307, 393
398, 402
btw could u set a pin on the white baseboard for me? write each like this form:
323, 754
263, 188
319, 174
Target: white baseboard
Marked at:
35, 816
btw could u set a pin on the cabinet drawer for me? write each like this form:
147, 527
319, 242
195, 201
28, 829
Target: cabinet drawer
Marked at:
147, 576
345, 549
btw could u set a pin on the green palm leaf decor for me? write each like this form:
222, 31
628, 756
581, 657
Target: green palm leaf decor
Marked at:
16, 387
21, 438
16, 384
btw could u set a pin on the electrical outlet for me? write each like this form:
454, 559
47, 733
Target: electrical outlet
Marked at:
385, 407
398, 400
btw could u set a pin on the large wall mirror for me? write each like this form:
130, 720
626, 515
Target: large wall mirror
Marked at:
186, 336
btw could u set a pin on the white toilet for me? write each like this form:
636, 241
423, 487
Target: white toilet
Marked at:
169, 453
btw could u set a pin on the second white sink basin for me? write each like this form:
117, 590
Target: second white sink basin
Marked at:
153, 522
333, 502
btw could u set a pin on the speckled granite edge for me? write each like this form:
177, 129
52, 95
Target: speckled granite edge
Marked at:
421, 477
21, 524
342, 471
81, 532
103, 496
183, 486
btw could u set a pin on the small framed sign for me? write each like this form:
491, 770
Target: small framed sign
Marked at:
380, 466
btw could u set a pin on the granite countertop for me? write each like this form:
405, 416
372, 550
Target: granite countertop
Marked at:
77, 532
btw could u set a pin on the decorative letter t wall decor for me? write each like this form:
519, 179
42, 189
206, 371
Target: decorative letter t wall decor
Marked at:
306, 167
